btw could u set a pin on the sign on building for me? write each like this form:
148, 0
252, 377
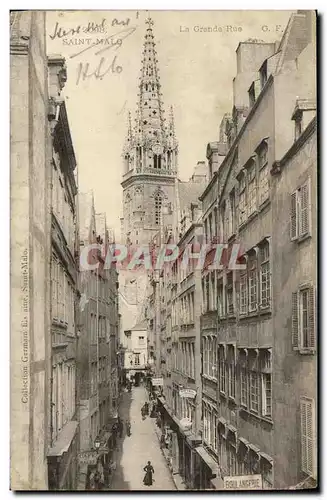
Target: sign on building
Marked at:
88, 457
157, 381
253, 482
187, 393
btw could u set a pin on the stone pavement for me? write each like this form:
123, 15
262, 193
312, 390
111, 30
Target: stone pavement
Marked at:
141, 446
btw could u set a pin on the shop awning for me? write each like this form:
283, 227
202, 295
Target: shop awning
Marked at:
64, 440
164, 404
217, 483
211, 463
193, 440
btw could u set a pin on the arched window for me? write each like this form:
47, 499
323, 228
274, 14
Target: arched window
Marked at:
127, 162
169, 155
157, 161
139, 156
157, 208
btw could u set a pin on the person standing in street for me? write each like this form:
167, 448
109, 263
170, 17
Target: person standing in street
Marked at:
120, 427
149, 471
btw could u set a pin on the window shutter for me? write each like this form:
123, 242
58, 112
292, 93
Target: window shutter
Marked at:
304, 203
295, 321
293, 228
308, 436
303, 409
312, 318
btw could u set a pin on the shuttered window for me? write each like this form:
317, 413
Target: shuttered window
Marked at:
308, 436
243, 293
244, 386
304, 319
254, 391
300, 212
252, 275
252, 190
222, 368
242, 209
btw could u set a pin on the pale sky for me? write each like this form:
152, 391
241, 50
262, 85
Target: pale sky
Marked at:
196, 68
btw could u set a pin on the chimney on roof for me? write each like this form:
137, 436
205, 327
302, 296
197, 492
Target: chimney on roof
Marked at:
57, 75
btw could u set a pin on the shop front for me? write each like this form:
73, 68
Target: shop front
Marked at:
182, 445
62, 459
209, 469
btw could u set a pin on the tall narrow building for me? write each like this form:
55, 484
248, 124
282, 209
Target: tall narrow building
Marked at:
150, 154
150, 168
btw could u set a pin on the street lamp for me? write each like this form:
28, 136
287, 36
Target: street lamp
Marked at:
97, 443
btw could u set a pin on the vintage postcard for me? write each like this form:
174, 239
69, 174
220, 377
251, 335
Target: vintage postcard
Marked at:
163, 250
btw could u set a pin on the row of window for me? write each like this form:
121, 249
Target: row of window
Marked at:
242, 201
247, 290
245, 459
103, 327
182, 407
137, 359
242, 375
62, 208
186, 308
97, 286
63, 396
183, 358
63, 296
234, 458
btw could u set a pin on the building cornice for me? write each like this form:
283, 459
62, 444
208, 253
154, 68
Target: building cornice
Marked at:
164, 179
296, 146
209, 186
236, 141
19, 48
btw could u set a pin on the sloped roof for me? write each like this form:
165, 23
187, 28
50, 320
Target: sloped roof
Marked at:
140, 326
189, 192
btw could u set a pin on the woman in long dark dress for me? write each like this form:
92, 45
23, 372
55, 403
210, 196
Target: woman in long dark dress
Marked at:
149, 470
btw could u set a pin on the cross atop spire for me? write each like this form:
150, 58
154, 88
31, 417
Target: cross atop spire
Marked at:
149, 22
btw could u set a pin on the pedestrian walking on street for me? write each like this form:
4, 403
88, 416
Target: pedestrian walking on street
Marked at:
120, 427
128, 428
149, 470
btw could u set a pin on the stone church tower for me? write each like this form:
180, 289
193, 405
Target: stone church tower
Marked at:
149, 155
149, 175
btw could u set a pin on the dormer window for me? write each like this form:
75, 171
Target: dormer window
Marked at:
254, 92
210, 168
304, 112
298, 125
251, 95
263, 74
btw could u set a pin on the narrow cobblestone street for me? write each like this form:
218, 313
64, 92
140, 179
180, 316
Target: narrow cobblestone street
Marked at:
141, 446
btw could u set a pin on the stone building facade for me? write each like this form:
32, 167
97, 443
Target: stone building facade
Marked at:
44, 202
177, 299
64, 435
252, 416
98, 342
30, 344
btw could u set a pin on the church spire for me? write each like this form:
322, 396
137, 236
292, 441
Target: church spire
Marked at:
171, 137
151, 146
129, 137
150, 108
